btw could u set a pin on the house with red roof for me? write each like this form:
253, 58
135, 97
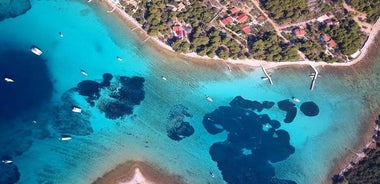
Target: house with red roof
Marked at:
245, 28
261, 18
227, 20
234, 10
327, 39
299, 32
242, 18
178, 31
331, 43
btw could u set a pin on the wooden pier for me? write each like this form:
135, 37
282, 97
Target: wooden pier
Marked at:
314, 78
267, 75
113, 9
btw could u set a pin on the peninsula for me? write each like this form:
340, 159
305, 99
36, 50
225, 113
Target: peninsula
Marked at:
256, 33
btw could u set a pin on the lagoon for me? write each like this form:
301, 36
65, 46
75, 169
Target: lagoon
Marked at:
346, 97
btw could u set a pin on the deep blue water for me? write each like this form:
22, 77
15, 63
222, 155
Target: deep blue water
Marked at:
251, 133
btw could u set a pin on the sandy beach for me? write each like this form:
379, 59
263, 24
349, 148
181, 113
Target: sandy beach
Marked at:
134, 172
368, 52
137, 177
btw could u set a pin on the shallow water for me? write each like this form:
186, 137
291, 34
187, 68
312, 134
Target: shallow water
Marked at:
93, 39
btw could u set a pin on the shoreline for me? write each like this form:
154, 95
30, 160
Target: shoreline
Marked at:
132, 172
165, 49
368, 52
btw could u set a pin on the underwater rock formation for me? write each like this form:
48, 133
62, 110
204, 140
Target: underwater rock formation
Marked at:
176, 127
310, 109
68, 122
11, 9
246, 155
289, 107
119, 97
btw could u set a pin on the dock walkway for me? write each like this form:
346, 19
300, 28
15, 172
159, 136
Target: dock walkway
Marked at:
267, 75
315, 76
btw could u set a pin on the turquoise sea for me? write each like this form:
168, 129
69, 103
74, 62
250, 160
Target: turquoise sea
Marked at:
242, 136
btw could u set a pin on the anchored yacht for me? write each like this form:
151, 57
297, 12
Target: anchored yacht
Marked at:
8, 79
76, 109
36, 50
65, 138
7, 161
83, 72
296, 99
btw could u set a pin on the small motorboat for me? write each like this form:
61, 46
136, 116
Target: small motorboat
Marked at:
65, 138
163, 78
7, 161
76, 109
119, 58
8, 79
60, 34
209, 99
296, 99
212, 174
83, 72
264, 78
36, 50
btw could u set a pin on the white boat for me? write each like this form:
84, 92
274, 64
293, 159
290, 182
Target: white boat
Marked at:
212, 174
36, 50
119, 58
163, 78
264, 78
83, 72
60, 34
209, 99
7, 161
8, 79
296, 99
76, 109
65, 138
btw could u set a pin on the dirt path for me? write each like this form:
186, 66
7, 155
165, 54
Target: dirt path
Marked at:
365, 27
275, 26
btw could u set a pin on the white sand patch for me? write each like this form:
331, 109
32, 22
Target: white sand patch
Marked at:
137, 178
